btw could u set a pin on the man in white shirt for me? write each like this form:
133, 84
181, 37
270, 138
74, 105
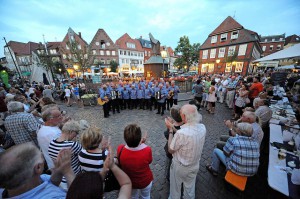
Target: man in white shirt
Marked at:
49, 131
186, 147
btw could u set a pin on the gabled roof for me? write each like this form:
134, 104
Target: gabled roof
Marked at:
76, 36
145, 43
124, 39
244, 36
100, 34
20, 48
271, 37
292, 39
227, 25
53, 45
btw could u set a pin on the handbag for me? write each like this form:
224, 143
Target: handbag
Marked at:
110, 181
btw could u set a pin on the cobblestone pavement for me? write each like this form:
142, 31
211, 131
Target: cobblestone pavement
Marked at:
207, 186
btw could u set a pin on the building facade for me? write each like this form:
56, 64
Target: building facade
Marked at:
131, 55
230, 48
271, 44
103, 49
147, 48
291, 40
69, 58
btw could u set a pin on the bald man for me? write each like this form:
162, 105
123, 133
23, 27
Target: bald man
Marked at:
21, 171
186, 147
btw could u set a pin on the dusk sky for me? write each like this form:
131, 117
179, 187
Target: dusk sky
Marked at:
167, 20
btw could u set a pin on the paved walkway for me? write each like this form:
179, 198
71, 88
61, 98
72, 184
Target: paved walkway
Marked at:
207, 186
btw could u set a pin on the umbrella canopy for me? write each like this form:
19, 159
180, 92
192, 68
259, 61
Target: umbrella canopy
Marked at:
291, 52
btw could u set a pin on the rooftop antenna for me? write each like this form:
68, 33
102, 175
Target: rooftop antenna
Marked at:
234, 14
45, 44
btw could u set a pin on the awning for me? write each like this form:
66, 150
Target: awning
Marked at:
288, 67
291, 52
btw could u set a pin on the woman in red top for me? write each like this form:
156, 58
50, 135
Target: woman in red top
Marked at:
135, 159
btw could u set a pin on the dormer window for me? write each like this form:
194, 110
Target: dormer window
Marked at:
273, 39
280, 39
130, 45
223, 37
234, 35
214, 39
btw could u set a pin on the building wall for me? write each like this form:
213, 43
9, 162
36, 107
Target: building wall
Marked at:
266, 46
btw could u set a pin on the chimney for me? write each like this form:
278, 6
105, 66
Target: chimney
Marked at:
79, 34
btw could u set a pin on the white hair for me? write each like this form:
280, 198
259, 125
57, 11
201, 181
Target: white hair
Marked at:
71, 125
191, 114
15, 106
245, 128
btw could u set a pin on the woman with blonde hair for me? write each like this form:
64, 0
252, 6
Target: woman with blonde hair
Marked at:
91, 157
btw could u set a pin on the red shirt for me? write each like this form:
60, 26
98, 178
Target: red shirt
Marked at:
255, 89
135, 163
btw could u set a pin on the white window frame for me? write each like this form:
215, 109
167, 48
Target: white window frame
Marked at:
107, 52
239, 67
214, 39
113, 53
242, 49
234, 34
264, 48
101, 52
271, 47
213, 53
273, 39
223, 37
94, 52
67, 47
97, 43
204, 54
221, 52
231, 50
79, 46
204, 68
228, 68
279, 47
64, 56
130, 45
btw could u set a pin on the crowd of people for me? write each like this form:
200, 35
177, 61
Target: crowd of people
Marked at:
46, 154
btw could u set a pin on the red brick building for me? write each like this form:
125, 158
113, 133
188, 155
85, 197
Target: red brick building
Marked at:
229, 49
291, 40
271, 44
65, 51
103, 49
131, 55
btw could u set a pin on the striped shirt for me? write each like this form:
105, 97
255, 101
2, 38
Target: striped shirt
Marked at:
91, 161
56, 146
244, 155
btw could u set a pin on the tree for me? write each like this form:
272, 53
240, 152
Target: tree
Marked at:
113, 65
79, 56
47, 63
189, 54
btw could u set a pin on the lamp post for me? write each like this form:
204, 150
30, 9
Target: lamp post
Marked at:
163, 54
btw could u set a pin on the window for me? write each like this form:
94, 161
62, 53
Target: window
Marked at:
264, 48
67, 47
107, 43
130, 45
204, 68
97, 43
107, 52
101, 52
125, 52
223, 37
242, 49
234, 35
239, 67
212, 53
204, 55
273, 39
231, 50
102, 61
280, 39
108, 61
102, 42
214, 39
79, 46
278, 47
52, 51
64, 56
96, 61
228, 68
113, 53
85, 56
72, 38
211, 68
266, 40
121, 52
94, 52
271, 47
145, 53
221, 52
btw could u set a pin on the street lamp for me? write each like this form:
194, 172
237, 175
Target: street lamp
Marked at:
163, 54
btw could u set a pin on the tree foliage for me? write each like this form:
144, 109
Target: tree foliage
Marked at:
79, 56
113, 65
188, 54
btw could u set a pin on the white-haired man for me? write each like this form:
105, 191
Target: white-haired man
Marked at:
21, 126
186, 147
21, 171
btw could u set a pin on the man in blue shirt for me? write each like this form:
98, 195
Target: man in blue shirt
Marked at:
140, 96
21, 171
161, 95
148, 95
105, 96
126, 97
133, 96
